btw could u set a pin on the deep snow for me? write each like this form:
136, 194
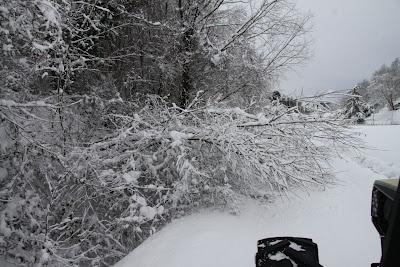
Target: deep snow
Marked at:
338, 218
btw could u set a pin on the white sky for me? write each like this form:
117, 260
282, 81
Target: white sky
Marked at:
352, 38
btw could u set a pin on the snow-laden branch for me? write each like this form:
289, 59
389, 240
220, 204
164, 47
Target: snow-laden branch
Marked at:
13, 104
116, 186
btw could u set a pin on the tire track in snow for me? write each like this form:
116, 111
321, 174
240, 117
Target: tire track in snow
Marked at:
389, 170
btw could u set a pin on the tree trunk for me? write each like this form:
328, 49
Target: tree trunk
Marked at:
187, 50
391, 103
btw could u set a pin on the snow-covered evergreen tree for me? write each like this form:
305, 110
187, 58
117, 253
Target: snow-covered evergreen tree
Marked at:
355, 108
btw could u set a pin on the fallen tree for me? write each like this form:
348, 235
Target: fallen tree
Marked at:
90, 179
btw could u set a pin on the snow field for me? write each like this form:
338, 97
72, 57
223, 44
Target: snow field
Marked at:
384, 117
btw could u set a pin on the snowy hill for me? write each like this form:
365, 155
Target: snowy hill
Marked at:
338, 219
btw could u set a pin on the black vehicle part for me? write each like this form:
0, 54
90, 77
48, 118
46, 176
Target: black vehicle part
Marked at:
383, 196
287, 252
385, 213
380, 210
391, 244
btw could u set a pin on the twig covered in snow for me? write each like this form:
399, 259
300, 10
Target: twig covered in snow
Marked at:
118, 185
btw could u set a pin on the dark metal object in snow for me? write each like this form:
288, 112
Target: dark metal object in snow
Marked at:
287, 252
385, 213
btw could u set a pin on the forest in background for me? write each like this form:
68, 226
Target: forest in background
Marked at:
382, 90
169, 48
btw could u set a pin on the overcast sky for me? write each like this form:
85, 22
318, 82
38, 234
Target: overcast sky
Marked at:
352, 38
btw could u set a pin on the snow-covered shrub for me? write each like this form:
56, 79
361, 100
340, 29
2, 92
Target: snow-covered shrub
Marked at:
355, 109
89, 179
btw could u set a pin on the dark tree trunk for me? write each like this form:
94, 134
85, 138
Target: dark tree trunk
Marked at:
186, 83
187, 50
391, 103
186, 87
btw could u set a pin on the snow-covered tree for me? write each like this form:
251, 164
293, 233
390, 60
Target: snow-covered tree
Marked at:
92, 198
150, 47
116, 116
355, 108
385, 84
383, 89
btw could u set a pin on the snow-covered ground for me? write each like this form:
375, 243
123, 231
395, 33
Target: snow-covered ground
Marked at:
384, 117
338, 219
383, 157
4, 263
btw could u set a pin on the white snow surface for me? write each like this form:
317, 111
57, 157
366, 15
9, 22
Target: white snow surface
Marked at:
49, 11
384, 117
131, 176
178, 137
338, 219
296, 247
148, 212
280, 256
4, 263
